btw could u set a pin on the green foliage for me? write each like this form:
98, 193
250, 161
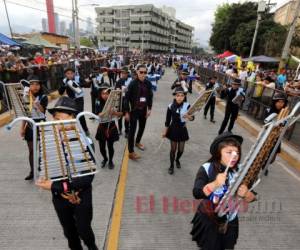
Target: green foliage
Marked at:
234, 28
86, 42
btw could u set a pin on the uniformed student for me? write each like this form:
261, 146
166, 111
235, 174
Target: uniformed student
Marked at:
75, 212
181, 81
211, 103
38, 103
96, 79
175, 127
107, 133
279, 102
122, 84
210, 231
232, 109
73, 87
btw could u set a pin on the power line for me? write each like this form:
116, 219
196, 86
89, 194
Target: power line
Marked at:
34, 8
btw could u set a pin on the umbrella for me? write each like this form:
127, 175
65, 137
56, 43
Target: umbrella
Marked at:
231, 59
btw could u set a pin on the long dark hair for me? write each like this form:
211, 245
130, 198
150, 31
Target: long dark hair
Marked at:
216, 157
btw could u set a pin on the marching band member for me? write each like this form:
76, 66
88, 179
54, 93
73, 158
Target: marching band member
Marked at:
232, 109
279, 102
112, 72
107, 133
191, 77
38, 103
96, 79
211, 103
122, 84
75, 212
175, 126
73, 88
182, 82
212, 181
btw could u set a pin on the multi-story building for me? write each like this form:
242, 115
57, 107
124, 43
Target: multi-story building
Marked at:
142, 27
285, 14
44, 25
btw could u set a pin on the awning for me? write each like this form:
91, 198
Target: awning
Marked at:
261, 59
39, 41
7, 41
225, 54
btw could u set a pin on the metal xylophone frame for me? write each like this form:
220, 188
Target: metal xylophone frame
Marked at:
8, 99
61, 122
251, 156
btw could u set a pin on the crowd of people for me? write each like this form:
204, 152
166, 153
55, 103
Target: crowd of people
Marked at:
138, 82
262, 78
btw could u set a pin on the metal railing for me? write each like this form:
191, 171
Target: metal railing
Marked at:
258, 100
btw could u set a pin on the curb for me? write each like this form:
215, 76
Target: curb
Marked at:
288, 153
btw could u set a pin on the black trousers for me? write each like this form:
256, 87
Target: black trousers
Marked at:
136, 116
80, 108
76, 220
210, 105
120, 125
112, 76
231, 112
93, 99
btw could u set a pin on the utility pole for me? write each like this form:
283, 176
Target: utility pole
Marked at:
76, 22
261, 9
11, 34
288, 41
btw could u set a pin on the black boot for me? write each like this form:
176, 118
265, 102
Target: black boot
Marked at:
103, 163
178, 165
171, 170
29, 177
111, 165
93, 248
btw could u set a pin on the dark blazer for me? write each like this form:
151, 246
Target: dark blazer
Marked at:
132, 95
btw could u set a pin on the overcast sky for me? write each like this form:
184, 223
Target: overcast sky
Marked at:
197, 13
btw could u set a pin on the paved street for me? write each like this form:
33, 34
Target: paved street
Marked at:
157, 207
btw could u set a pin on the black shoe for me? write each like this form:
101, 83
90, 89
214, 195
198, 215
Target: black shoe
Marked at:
213, 121
103, 163
111, 165
93, 248
266, 172
204, 117
29, 177
171, 170
178, 165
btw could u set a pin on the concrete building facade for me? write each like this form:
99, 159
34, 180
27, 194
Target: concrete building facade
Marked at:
142, 27
285, 14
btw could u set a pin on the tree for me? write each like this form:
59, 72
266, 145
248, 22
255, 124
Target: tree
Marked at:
234, 28
86, 42
227, 19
